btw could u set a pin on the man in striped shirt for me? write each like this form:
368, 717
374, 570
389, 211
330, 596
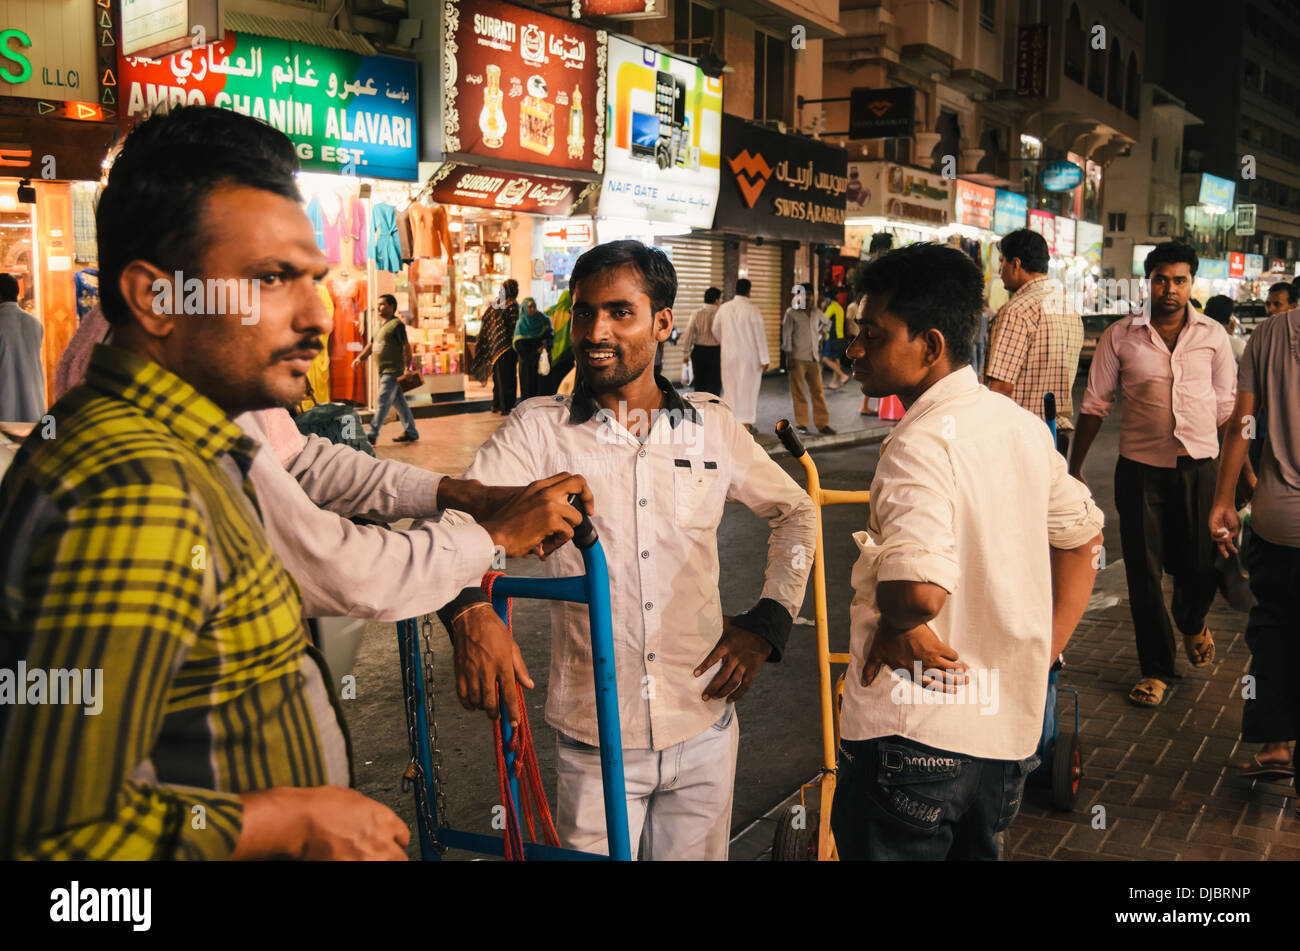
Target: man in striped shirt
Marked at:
135, 553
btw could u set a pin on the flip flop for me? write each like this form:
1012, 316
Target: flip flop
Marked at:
1256, 769
1148, 692
1196, 642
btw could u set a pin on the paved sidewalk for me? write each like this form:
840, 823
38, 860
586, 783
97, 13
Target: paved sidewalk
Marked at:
447, 443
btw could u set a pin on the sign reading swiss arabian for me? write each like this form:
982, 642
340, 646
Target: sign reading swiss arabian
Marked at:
522, 86
974, 204
881, 113
344, 112
509, 191
783, 187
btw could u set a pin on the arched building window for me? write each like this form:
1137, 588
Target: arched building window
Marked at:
1132, 87
1115, 76
1075, 45
1096, 65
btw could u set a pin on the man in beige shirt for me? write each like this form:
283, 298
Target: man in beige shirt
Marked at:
701, 347
1037, 335
1175, 369
975, 567
803, 328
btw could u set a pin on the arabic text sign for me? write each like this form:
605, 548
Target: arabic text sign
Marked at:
1044, 222
1213, 269
783, 187
343, 111
523, 86
1216, 192
901, 193
663, 146
1061, 176
1236, 264
974, 204
509, 191
1008, 211
1064, 237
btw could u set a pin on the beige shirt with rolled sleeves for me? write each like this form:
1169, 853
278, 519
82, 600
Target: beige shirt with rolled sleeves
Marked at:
658, 505
969, 494
1172, 399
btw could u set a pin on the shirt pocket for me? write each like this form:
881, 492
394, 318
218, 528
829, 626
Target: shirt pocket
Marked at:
696, 488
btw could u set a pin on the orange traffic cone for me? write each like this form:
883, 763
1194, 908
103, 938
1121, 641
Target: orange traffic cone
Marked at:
891, 408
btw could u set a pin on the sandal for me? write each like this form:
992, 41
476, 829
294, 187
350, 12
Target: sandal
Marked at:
1194, 645
1257, 769
1148, 692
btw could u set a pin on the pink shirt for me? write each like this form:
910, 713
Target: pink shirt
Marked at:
1172, 400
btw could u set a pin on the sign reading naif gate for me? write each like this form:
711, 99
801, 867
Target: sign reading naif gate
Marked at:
343, 111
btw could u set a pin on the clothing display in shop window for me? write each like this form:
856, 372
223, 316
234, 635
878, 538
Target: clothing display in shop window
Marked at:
421, 217
87, 284
404, 233
349, 297
333, 233
386, 250
318, 374
359, 233
84, 244
317, 219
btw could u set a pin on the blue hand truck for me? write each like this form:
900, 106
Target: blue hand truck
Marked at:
590, 588
1061, 765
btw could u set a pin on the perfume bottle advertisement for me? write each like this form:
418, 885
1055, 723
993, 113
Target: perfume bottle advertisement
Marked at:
527, 87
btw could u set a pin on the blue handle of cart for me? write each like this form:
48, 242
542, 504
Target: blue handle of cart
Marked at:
593, 589
1049, 413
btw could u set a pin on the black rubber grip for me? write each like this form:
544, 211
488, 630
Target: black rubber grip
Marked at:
584, 535
789, 438
1049, 406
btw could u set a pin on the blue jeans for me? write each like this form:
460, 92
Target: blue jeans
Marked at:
390, 392
896, 799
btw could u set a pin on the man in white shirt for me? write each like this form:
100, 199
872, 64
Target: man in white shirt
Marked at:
660, 467
738, 325
976, 565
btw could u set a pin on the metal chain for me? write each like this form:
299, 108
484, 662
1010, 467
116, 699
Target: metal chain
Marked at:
435, 753
414, 771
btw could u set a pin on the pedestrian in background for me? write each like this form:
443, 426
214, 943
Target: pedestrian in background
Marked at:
1175, 370
1268, 385
976, 562
836, 341
1281, 297
494, 355
881, 243
22, 378
701, 346
738, 325
982, 338
532, 333
1219, 308
394, 358
802, 331
1036, 337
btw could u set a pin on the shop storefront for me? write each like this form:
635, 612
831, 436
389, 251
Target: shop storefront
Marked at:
353, 121
781, 196
522, 145
54, 136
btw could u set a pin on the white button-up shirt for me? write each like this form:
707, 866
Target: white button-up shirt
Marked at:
1172, 399
658, 505
969, 494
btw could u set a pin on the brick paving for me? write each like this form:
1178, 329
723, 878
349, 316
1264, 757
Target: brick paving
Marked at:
1163, 776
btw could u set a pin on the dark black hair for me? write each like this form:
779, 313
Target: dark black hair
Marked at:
151, 209
743, 287
8, 288
880, 241
929, 287
1219, 308
1288, 289
1171, 252
658, 277
1029, 247
712, 295
511, 288
390, 298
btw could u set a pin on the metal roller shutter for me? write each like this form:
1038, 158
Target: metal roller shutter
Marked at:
698, 262
763, 262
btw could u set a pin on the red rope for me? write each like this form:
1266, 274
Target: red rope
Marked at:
532, 794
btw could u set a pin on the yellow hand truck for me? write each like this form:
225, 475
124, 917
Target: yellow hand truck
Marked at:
804, 834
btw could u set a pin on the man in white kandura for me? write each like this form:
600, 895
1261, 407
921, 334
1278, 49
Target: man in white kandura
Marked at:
738, 325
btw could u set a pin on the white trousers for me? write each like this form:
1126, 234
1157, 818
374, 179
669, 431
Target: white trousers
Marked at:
678, 799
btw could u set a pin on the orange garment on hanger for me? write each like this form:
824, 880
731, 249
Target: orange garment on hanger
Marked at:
421, 217
349, 296
441, 233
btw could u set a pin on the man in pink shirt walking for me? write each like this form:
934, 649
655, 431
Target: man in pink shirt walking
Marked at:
1177, 374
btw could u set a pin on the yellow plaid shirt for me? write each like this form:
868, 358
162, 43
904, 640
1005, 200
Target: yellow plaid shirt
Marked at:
130, 549
1034, 344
